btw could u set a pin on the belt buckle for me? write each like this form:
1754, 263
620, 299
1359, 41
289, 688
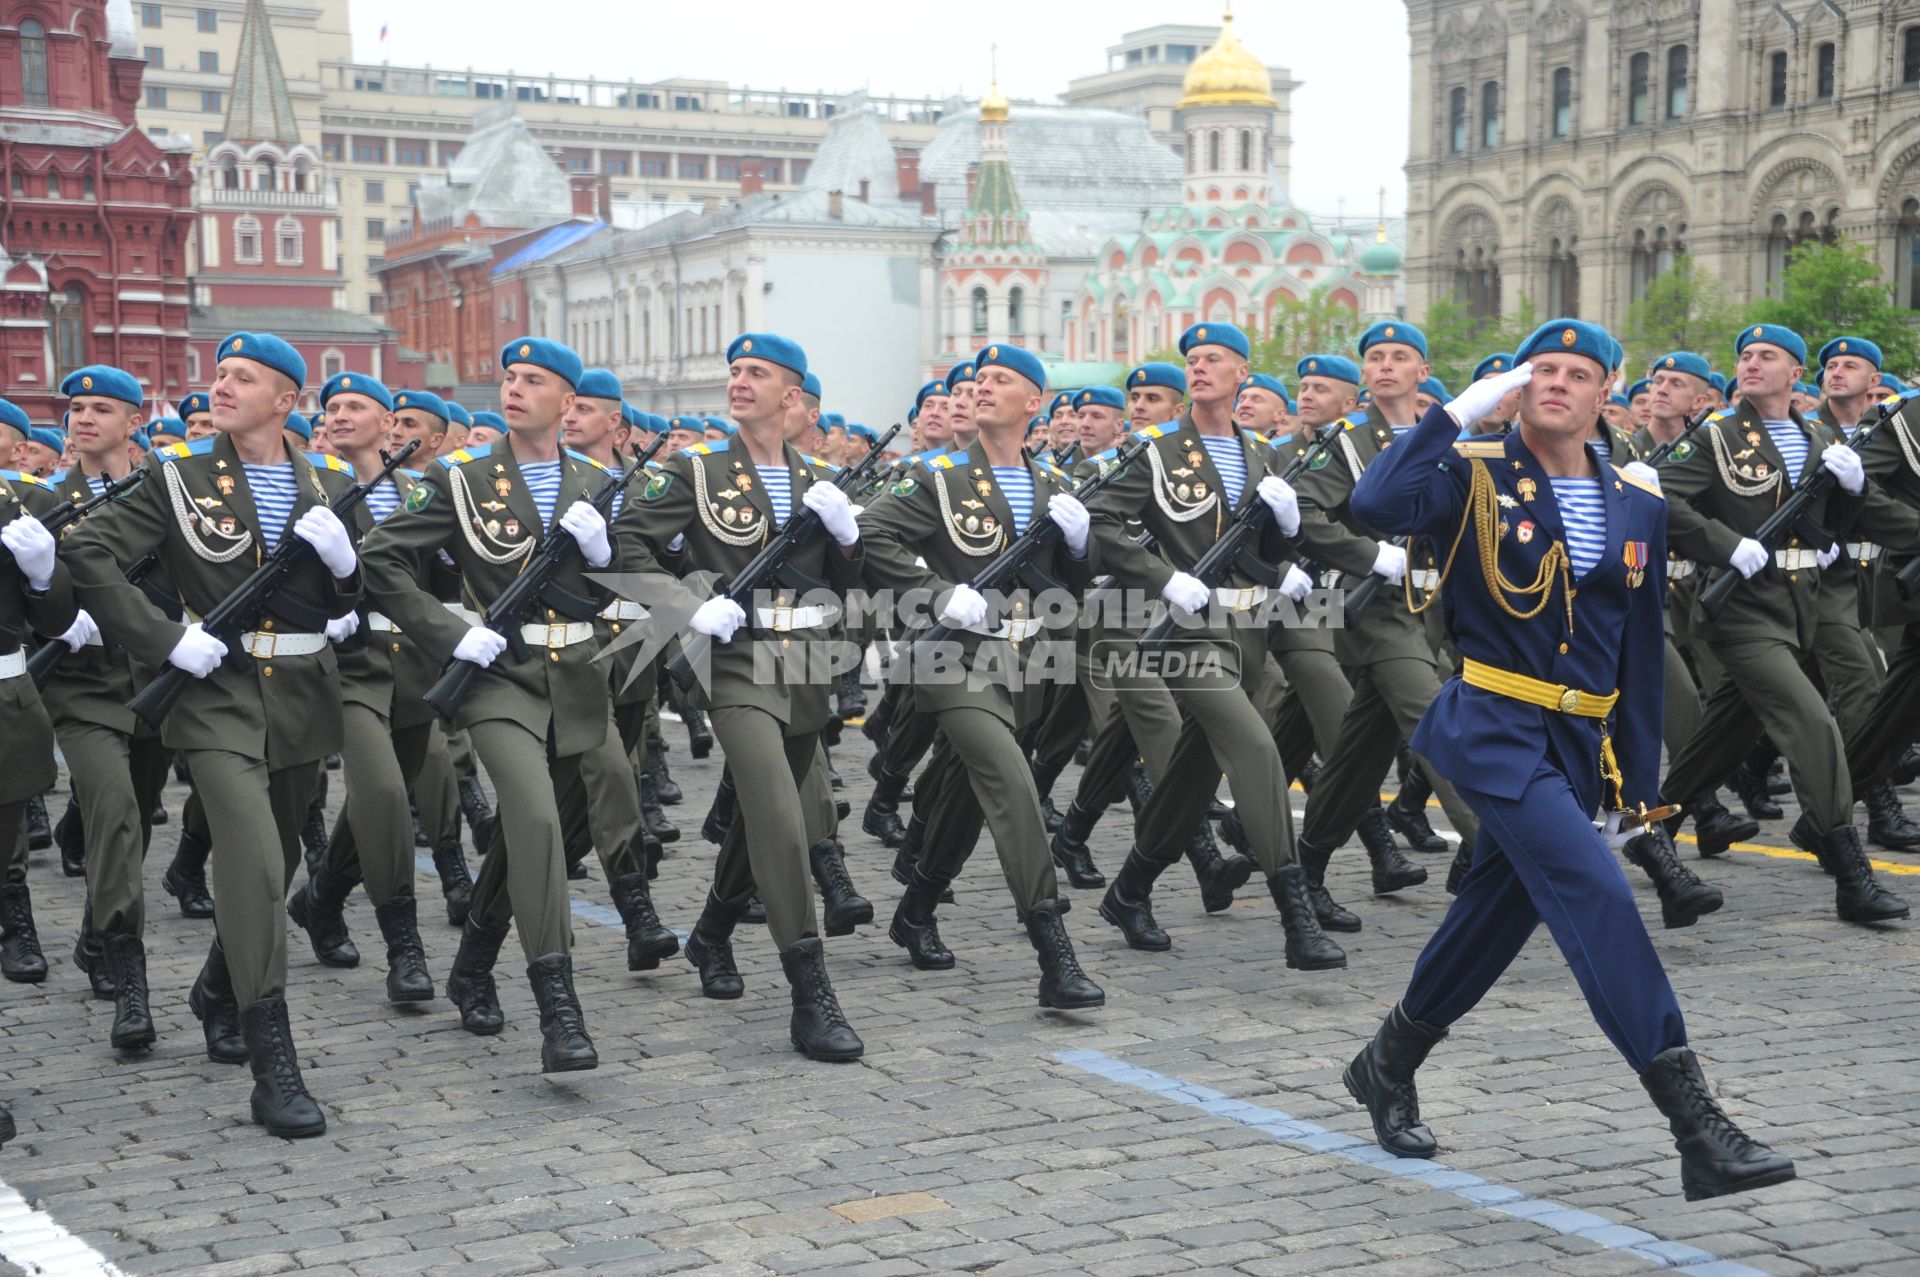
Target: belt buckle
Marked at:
1570, 701
266, 639
782, 619
557, 634
1242, 599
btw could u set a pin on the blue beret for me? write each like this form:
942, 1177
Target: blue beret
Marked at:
99, 379
1718, 380
1064, 397
1211, 334
264, 348
1892, 382
1015, 359
1338, 367
810, 385
491, 420
1159, 373
1036, 423
1261, 381
195, 402
1619, 401
938, 386
632, 417
47, 437
655, 422
166, 426
695, 424
425, 401
542, 353
1687, 362
957, 374
597, 383
1435, 387
834, 419
356, 383
459, 416
1772, 335
1806, 388
1638, 388
865, 432
1851, 346
300, 426
1105, 396
141, 441
1569, 336
1492, 364
724, 427
1619, 352
1396, 332
771, 347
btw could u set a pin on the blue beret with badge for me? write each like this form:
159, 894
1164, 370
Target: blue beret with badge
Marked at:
491, 420
424, 400
1337, 367
195, 402
1569, 337
938, 386
597, 383
771, 347
172, 427
1638, 388
695, 424
1158, 373
1216, 334
1434, 387
1016, 359
356, 383
100, 379
300, 426
1687, 362
1262, 381
1772, 335
11, 414
1394, 332
264, 348
543, 353
1037, 424
1103, 396
810, 385
1492, 365
1718, 380
1857, 346
459, 416
958, 373
1064, 397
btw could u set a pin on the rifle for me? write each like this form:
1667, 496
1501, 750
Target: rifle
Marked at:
1666, 449
70, 512
773, 562
233, 614
518, 601
1793, 517
1235, 548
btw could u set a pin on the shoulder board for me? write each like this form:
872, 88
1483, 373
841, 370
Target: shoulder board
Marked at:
20, 476
948, 460
327, 461
828, 466
1725, 414
1481, 447
190, 448
1354, 420
1110, 454
57, 478
1054, 470
653, 464
709, 448
414, 475
581, 456
1623, 473
459, 456
1152, 432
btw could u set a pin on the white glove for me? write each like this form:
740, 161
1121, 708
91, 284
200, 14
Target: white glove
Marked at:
480, 646
81, 632
837, 514
321, 528
198, 652
1283, 501
1846, 467
1072, 517
32, 547
342, 628
1483, 396
1295, 584
1186, 592
1643, 472
1390, 563
588, 526
1617, 837
965, 608
1828, 555
1748, 557
718, 618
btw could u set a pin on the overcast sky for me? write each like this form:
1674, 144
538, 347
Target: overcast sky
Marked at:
1349, 116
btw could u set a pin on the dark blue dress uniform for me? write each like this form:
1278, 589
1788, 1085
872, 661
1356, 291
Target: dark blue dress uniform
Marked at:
1534, 775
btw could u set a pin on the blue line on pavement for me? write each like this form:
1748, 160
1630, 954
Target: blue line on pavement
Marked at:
1435, 1175
584, 909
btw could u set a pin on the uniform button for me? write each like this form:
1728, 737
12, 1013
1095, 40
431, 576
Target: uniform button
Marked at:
554, 657
1793, 543
266, 671
1563, 649
550, 614
615, 627
396, 647
1793, 577
267, 624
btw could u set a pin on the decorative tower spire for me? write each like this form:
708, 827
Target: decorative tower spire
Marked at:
259, 109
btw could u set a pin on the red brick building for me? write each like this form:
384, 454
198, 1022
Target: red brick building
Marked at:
95, 217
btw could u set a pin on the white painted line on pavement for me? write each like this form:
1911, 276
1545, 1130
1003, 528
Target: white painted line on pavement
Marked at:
32, 1240
1435, 1175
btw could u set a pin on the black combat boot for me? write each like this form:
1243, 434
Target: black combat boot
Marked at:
726, 801
1887, 825
1716, 1157
1391, 870
90, 955
21, 960
1810, 840
914, 927
843, 908
1907, 770
850, 699
1407, 814
1128, 903
1749, 781
7, 1129
71, 839
1138, 787
1063, 985
39, 831
699, 735
1308, 948
218, 1011
1684, 899
320, 909
280, 1099
1309, 774
1381, 1078
664, 786
470, 985
1069, 847
882, 816
158, 816
710, 949
1314, 860
313, 834
755, 912
652, 816
880, 722
419, 826
1858, 895
132, 1029
473, 805
1233, 832
456, 885
1716, 828
564, 1044
819, 1027
1457, 871
1219, 876
186, 876
909, 855
408, 979
1044, 774
648, 940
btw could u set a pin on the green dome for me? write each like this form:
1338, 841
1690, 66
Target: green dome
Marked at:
1381, 258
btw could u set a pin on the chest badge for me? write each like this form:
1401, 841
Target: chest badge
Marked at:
1635, 555
1199, 492
729, 515
224, 482
1505, 528
513, 529
1525, 531
503, 485
1193, 457
744, 481
1507, 501
983, 486
228, 527
1760, 468
747, 516
1528, 489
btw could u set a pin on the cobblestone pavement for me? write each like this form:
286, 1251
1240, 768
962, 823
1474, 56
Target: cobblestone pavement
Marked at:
1197, 1123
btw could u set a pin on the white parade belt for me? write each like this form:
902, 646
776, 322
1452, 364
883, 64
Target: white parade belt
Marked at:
559, 634
1241, 598
1679, 569
624, 610
13, 664
1017, 630
783, 619
1796, 560
381, 623
267, 645
1427, 579
1330, 579
1864, 551
464, 612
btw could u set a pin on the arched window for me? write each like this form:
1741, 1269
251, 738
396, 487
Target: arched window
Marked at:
1677, 82
1777, 244
1823, 72
1213, 151
1777, 79
230, 174
1457, 121
332, 364
1654, 252
1017, 312
246, 240
1122, 329
1490, 114
1563, 278
289, 242
33, 62
1193, 150
1246, 150
1639, 88
68, 318
1906, 256
268, 174
1562, 125
979, 312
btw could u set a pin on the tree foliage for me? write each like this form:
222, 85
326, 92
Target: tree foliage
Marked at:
1831, 289
1684, 309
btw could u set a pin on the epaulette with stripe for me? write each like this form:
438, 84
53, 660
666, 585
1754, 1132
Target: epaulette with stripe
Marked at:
415, 475
828, 466
21, 476
1354, 420
327, 461
1642, 484
190, 448
1052, 469
581, 456
1480, 447
947, 461
707, 448
459, 456
1153, 432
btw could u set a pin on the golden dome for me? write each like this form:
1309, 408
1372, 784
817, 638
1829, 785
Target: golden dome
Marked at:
1227, 75
993, 107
